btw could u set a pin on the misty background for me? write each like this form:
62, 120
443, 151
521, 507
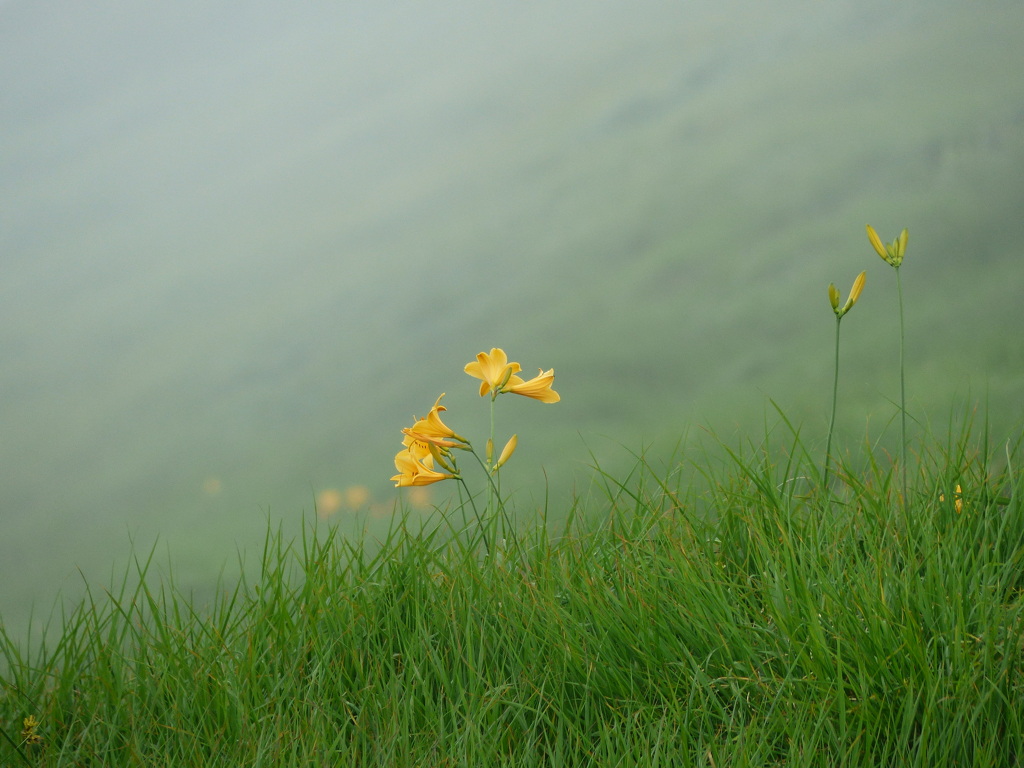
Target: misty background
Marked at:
241, 245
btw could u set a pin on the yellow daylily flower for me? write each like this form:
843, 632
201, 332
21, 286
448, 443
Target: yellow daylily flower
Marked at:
855, 291
433, 430
416, 468
892, 252
494, 369
538, 388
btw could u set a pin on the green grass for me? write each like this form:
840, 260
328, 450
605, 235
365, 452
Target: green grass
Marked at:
709, 613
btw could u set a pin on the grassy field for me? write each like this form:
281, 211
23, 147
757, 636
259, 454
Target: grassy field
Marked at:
247, 295
778, 600
704, 612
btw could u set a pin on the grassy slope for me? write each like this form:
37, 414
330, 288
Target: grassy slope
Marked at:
717, 614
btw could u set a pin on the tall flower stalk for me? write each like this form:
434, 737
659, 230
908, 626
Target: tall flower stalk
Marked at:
893, 253
498, 376
833, 297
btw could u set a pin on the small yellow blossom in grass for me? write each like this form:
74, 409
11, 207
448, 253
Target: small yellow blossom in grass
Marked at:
538, 388
958, 499
415, 465
493, 369
28, 730
833, 295
893, 252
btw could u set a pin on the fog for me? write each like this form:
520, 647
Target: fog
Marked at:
241, 245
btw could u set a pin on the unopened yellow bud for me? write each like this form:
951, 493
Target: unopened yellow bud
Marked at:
507, 451
833, 295
490, 450
858, 286
876, 243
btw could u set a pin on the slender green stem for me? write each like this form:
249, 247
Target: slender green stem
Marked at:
476, 512
903, 393
493, 490
490, 456
494, 503
832, 420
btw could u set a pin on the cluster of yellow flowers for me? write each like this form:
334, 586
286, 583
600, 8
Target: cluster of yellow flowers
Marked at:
426, 456
498, 375
28, 731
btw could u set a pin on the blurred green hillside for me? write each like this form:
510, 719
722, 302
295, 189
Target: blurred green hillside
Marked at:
242, 248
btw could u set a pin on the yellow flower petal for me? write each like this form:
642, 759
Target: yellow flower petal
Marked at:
433, 430
493, 369
538, 388
415, 469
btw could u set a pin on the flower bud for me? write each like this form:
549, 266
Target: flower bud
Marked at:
858, 286
507, 451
